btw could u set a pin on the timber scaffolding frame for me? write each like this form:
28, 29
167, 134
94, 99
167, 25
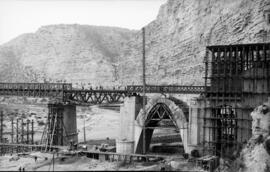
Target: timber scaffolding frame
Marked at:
22, 132
54, 132
9, 148
237, 79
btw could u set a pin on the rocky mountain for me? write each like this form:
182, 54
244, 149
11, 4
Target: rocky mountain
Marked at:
74, 53
175, 45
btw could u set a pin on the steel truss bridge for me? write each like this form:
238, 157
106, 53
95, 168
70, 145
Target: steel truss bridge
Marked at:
64, 92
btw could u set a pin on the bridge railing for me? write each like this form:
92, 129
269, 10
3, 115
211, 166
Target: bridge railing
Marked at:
166, 89
35, 86
34, 89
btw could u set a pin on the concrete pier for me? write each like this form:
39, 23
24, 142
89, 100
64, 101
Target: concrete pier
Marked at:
70, 123
128, 113
195, 132
62, 124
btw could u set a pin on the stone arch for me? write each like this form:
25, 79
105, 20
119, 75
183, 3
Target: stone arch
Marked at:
177, 115
182, 105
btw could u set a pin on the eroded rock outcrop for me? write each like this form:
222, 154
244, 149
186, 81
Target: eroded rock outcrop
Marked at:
255, 157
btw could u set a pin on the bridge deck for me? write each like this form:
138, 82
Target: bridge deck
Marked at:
66, 93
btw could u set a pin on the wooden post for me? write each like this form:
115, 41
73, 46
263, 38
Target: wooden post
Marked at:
17, 134
144, 85
27, 134
53, 161
1, 137
32, 132
22, 131
17, 131
84, 133
12, 129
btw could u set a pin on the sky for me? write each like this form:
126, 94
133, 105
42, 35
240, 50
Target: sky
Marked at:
26, 16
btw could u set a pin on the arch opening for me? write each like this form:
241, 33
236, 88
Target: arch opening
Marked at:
165, 128
159, 116
165, 137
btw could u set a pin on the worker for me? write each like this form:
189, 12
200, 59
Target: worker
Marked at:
71, 144
75, 146
35, 158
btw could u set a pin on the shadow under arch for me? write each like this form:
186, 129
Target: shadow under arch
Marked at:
159, 109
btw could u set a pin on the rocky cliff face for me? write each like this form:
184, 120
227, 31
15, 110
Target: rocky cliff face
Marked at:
175, 45
255, 156
177, 39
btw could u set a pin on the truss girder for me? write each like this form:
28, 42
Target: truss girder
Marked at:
65, 92
95, 97
160, 112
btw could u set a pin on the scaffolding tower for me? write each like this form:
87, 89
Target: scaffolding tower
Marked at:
237, 79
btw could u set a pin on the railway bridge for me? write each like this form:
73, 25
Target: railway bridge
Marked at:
65, 93
61, 124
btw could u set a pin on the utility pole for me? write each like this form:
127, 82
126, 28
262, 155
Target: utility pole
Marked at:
12, 129
174, 74
1, 132
32, 133
144, 84
22, 131
12, 132
17, 131
53, 160
1, 139
84, 134
27, 131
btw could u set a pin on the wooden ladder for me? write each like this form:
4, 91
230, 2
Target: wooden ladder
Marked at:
50, 138
44, 134
52, 135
